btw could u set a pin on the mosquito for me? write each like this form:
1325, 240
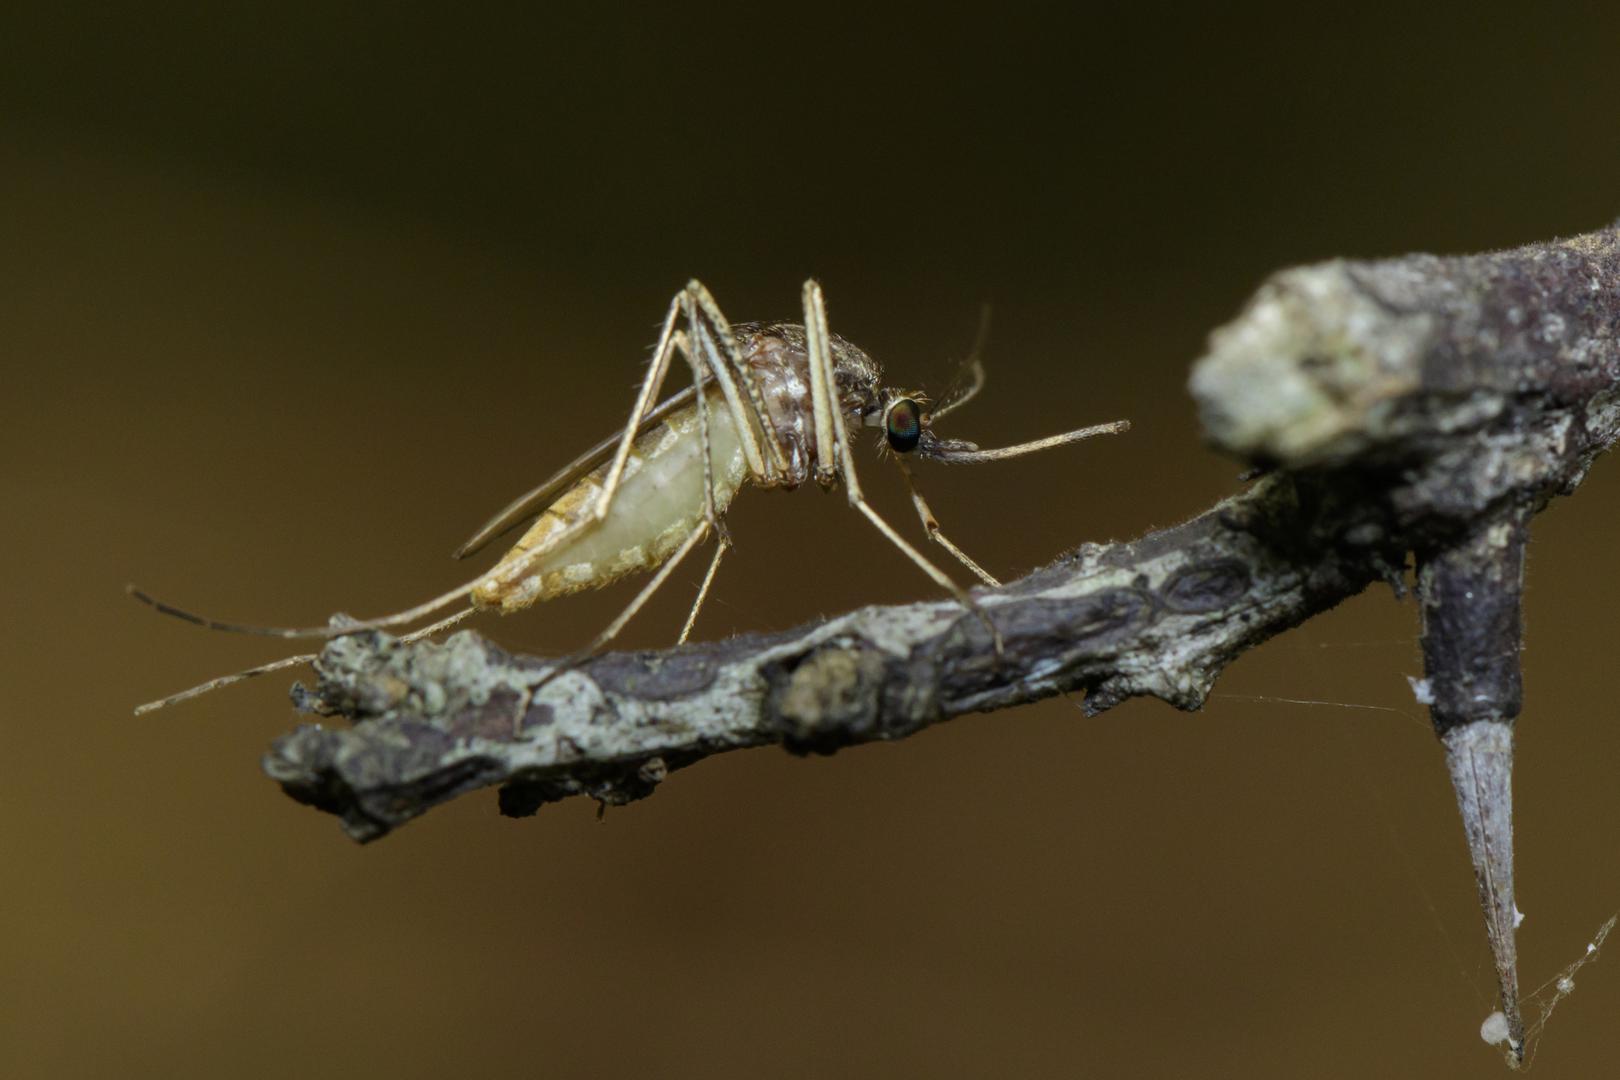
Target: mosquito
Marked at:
771, 404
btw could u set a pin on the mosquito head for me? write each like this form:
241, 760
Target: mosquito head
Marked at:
906, 419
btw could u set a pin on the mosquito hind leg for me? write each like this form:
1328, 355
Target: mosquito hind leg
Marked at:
699, 357
711, 516
223, 680
657, 369
668, 340
611, 631
723, 541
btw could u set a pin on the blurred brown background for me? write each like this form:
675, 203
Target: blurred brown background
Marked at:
292, 296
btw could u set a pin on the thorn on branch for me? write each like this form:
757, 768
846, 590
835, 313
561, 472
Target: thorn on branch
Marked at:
1471, 595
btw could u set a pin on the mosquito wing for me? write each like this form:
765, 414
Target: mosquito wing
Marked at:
530, 503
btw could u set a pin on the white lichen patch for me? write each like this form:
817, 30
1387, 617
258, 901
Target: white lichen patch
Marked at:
1303, 374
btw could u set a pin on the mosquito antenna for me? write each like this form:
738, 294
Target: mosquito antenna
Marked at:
279, 665
397, 619
970, 376
953, 450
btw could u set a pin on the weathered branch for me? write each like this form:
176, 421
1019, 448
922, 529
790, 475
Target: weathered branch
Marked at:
1160, 616
1417, 405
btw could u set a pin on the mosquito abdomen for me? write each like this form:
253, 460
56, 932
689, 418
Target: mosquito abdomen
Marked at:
658, 504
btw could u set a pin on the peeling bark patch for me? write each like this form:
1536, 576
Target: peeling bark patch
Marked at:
1205, 586
491, 720
1108, 613
538, 716
653, 678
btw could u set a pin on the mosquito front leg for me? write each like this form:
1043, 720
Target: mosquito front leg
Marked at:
931, 525
821, 369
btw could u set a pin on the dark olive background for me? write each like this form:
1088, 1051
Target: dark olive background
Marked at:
290, 298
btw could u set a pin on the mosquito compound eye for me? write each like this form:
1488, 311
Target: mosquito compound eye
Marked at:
903, 425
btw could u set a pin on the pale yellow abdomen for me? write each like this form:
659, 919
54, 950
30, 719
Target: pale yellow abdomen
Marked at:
658, 504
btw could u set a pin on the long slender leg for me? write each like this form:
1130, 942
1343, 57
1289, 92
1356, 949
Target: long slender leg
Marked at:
611, 631
931, 524
711, 516
698, 358
613, 628
223, 680
669, 340
703, 590
442, 624
280, 665
704, 302
824, 406
656, 371
700, 361
815, 323
701, 349
709, 513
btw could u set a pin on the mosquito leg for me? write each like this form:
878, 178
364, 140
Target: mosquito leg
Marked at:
931, 525
280, 665
699, 358
695, 345
710, 515
700, 341
821, 368
223, 680
696, 304
611, 631
712, 522
657, 369
703, 590
442, 624
703, 301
